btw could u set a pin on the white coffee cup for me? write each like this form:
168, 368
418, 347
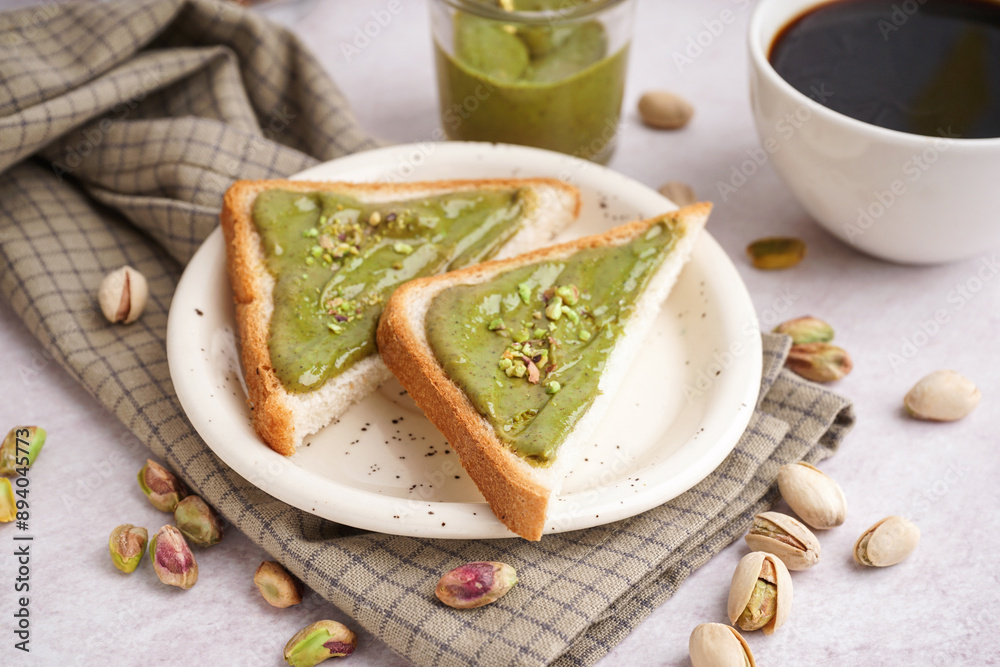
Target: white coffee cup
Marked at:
898, 196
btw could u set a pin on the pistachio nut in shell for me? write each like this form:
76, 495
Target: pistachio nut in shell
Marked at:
122, 295
315, 643
819, 362
760, 594
942, 396
276, 585
814, 496
172, 558
198, 521
776, 252
162, 487
718, 645
806, 329
889, 542
475, 584
664, 110
20, 448
127, 544
8, 505
786, 537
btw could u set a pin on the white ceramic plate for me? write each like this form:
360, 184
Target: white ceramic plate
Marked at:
384, 467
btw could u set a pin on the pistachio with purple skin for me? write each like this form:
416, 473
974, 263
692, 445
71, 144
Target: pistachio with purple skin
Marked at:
20, 448
198, 521
475, 584
819, 362
276, 585
172, 558
161, 486
8, 505
317, 642
127, 544
806, 329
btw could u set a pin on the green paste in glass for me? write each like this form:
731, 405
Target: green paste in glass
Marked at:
551, 86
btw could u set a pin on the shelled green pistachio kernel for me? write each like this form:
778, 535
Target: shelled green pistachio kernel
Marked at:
806, 329
198, 521
819, 362
21, 443
127, 545
475, 584
570, 294
524, 291
775, 253
173, 561
163, 489
8, 505
553, 310
276, 585
317, 642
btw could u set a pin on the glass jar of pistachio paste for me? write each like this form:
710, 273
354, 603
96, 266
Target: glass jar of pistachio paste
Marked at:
545, 73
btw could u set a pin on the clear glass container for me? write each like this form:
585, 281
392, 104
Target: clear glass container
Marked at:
545, 73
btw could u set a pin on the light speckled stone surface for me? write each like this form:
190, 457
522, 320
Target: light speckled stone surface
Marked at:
939, 607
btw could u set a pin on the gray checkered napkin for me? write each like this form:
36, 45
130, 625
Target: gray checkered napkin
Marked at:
121, 125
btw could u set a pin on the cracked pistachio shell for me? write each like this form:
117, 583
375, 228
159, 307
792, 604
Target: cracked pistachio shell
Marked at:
814, 496
748, 571
785, 537
889, 542
122, 295
30, 439
315, 643
942, 396
127, 544
718, 645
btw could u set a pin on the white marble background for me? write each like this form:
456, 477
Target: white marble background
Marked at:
938, 608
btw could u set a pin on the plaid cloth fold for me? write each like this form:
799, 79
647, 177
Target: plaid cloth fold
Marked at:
121, 125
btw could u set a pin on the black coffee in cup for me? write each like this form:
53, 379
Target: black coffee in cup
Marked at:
929, 67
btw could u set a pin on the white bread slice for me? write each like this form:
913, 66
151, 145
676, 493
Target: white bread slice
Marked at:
283, 418
518, 492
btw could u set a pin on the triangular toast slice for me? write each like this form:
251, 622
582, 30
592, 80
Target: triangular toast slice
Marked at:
312, 264
516, 361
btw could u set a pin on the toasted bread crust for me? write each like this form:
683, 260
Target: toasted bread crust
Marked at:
272, 417
518, 500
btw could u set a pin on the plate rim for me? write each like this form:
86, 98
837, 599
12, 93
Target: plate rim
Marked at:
265, 468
